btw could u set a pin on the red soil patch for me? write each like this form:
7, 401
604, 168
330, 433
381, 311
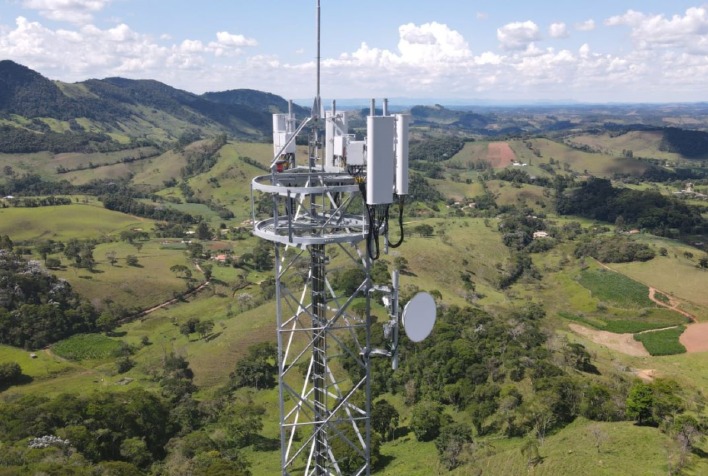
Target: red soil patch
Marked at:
695, 337
500, 155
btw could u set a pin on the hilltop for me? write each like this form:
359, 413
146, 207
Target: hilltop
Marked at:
37, 113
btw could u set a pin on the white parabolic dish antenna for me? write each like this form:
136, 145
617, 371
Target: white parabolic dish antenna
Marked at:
419, 317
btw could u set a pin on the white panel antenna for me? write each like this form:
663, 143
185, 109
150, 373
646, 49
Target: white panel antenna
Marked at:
402, 121
336, 132
379, 159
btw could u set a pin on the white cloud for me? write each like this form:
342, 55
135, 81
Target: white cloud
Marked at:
518, 35
587, 25
74, 11
481, 15
584, 51
430, 42
227, 39
429, 60
558, 30
229, 44
688, 31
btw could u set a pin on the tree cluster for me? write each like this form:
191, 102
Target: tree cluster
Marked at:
36, 308
127, 204
614, 249
599, 200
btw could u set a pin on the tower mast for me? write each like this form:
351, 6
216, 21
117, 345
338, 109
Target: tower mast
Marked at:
320, 216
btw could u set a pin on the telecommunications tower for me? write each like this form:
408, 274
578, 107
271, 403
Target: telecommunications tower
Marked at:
331, 210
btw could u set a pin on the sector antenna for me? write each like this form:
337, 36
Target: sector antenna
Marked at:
326, 207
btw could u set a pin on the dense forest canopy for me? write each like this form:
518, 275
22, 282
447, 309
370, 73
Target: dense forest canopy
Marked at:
599, 200
36, 308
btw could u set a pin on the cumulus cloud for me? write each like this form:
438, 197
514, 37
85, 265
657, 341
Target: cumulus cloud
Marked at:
558, 30
89, 51
229, 44
429, 60
518, 35
73, 11
587, 25
688, 31
430, 42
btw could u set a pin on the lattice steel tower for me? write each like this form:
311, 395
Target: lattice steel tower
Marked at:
330, 208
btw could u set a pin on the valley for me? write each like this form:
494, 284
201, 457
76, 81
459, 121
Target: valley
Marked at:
569, 275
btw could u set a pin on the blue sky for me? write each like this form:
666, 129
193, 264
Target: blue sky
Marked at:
513, 50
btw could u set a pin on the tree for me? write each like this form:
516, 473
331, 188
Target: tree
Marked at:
204, 327
262, 258
136, 452
203, 231
124, 364
131, 260
258, 368
244, 421
189, 327
44, 248
207, 270
703, 262
451, 443
181, 269
426, 420
598, 435
107, 321
245, 300
400, 264
423, 230
10, 372
5, 243
112, 257
640, 402
384, 419
53, 263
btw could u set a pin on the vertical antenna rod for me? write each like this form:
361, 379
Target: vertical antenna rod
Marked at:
318, 51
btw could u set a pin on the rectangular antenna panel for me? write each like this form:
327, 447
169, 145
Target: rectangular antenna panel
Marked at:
339, 145
402, 121
335, 128
380, 159
281, 135
356, 153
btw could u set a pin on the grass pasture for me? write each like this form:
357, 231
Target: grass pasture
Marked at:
459, 244
642, 144
63, 222
41, 367
573, 451
142, 286
663, 342
596, 163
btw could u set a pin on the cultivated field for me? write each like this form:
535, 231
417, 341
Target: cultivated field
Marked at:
500, 155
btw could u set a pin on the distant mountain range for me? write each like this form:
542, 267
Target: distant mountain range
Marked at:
38, 114
118, 107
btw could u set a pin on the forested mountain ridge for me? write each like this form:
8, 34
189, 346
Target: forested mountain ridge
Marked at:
133, 108
258, 100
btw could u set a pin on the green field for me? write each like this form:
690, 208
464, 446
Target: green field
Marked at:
615, 288
86, 346
665, 342
63, 222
